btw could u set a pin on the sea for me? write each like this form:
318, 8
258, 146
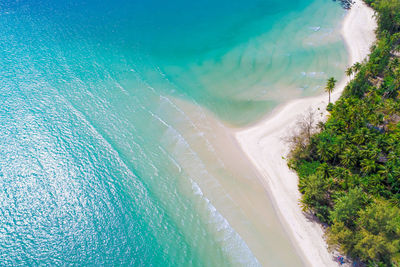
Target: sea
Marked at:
113, 117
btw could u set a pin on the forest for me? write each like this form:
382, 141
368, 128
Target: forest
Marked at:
349, 165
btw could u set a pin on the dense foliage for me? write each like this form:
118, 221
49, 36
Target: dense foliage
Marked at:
349, 170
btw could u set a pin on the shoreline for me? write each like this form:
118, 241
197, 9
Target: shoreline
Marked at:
263, 145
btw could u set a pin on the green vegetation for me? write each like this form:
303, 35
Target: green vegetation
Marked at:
349, 167
330, 85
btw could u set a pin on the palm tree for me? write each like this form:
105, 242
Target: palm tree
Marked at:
348, 158
330, 85
349, 71
323, 151
357, 67
324, 170
368, 166
396, 81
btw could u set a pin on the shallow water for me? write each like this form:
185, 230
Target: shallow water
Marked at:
109, 151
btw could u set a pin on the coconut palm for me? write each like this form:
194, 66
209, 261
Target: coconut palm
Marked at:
330, 85
348, 157
349, 71
368, 166
357, 67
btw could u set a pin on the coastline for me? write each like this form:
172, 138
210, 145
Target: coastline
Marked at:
263, 145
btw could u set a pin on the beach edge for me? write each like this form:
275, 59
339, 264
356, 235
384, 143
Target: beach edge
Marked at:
264, 146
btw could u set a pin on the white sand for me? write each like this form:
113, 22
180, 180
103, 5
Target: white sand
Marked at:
264, 146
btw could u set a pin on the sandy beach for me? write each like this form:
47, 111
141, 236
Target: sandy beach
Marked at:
263, 145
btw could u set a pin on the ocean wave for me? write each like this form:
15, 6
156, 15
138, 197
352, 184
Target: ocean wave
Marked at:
231, 242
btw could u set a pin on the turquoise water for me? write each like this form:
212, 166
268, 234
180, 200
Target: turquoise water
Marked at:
100, 166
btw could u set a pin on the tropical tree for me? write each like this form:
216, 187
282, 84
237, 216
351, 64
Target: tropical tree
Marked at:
349, 170
379, 235
349, 71
356, 67
396, 81
388, 15
348, 157
330, 85
347, 207
368, 165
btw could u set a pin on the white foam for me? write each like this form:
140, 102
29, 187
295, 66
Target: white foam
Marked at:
231, 242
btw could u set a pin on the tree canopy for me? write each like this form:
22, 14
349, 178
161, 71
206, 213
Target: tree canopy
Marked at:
349, 168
